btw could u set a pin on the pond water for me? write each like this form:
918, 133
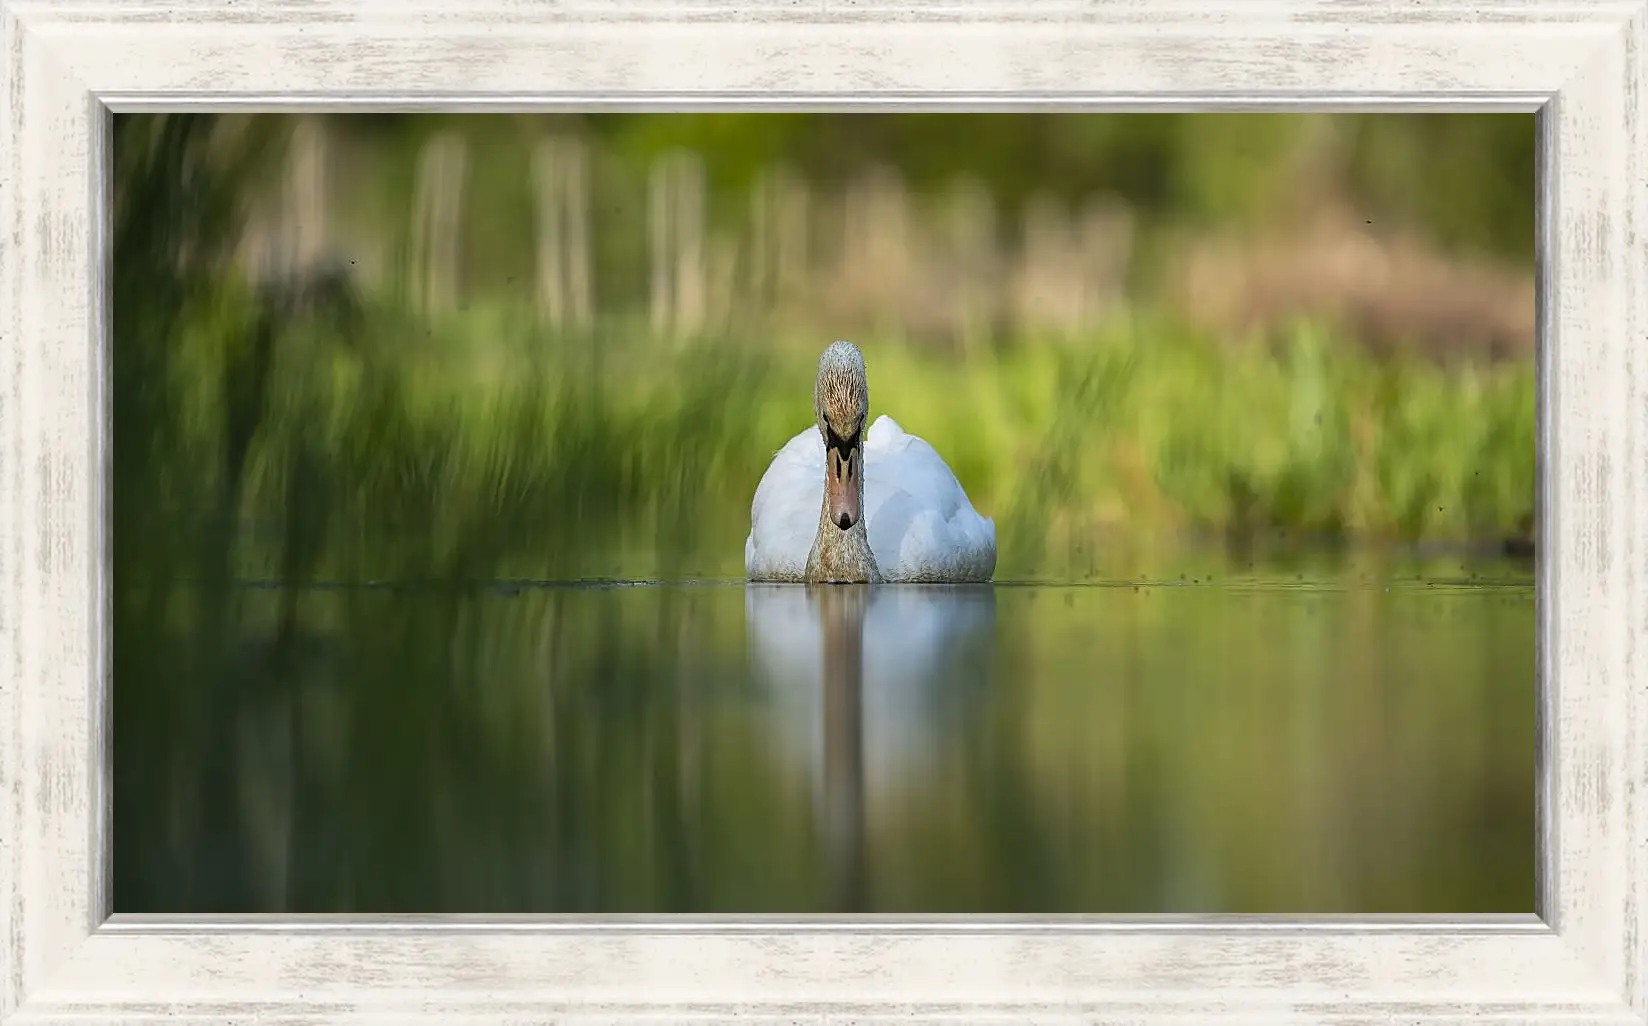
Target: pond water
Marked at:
1340, 734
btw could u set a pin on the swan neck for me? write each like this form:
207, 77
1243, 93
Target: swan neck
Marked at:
842, 557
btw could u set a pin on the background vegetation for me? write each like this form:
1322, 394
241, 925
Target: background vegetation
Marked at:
1241, 324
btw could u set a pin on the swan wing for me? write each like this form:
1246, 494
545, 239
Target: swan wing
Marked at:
921, 524
784, 512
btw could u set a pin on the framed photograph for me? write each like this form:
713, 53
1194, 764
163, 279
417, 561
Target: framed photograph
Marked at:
613, 512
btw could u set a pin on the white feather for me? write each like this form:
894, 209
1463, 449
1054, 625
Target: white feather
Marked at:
921, 526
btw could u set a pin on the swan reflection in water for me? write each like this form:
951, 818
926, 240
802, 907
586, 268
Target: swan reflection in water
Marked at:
869, 683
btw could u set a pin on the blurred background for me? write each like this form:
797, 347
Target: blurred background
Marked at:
435, 439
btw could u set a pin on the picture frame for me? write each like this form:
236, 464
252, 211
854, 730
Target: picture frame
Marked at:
67, 64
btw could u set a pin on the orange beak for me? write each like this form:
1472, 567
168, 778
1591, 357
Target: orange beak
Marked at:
842, 486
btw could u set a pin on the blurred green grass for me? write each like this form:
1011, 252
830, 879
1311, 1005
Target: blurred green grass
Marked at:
289, 430
481, 425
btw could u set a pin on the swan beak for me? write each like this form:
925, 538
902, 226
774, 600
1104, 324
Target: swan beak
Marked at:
841, 487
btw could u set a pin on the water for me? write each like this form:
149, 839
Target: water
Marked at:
1343, 735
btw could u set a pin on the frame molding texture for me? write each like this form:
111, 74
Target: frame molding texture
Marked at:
1582, 65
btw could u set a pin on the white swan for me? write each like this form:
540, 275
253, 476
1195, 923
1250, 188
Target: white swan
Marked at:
842, 505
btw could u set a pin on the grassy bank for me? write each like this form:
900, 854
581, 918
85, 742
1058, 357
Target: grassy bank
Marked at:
494, 442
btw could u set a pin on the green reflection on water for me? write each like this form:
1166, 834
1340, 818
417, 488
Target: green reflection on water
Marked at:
1338, 735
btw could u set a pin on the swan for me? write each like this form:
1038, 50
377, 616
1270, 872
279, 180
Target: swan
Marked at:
839, 504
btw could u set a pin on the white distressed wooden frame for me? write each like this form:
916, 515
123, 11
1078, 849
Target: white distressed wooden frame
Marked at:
66, 63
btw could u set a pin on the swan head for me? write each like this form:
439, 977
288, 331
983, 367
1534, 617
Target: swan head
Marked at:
841, 402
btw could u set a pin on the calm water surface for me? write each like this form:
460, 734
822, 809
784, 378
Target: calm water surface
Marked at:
1329, 736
